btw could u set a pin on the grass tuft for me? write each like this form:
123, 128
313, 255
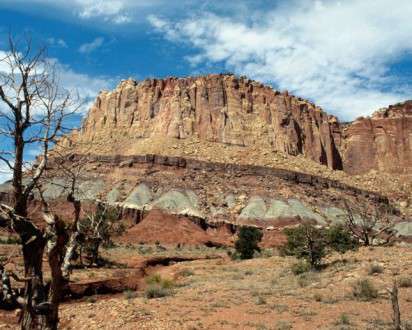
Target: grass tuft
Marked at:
405, 282
300, 268
158, 287
375, 269
364, 290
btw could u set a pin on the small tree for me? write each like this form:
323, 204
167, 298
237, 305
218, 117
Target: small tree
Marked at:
306, 242
247, 242
312, 244
96, 230
340, 239
367, 223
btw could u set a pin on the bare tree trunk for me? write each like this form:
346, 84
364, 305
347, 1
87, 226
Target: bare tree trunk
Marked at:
20, 202
395, 307
56, 245
34, 293
74, 237
71, 249
40, 306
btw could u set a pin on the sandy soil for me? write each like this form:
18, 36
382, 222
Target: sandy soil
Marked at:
262, 293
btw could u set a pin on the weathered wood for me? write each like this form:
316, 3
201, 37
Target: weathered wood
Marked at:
40, 302
56, 241
396, 317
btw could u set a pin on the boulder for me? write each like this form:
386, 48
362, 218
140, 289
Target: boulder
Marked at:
404, 229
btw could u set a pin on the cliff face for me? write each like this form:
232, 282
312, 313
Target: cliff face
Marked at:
218, 108
214, 150
244, 113
382, 142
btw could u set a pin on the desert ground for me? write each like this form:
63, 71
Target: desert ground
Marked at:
206, 289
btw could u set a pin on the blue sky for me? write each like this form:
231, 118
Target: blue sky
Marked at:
350, 57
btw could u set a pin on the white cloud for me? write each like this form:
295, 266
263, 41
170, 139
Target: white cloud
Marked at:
57, 42
157, 22
337, 53
91, 46
85, 86
5, 172
115, 12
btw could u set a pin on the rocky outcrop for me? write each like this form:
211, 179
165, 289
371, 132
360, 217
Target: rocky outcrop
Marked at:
212, 192
382, 142
211, 195
217, 108
240, 112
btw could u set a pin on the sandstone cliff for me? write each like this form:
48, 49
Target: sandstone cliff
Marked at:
217, 150
217, 108
381, 142
240, 113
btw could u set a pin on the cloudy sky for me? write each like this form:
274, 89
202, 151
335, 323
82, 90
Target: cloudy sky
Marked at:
351, 57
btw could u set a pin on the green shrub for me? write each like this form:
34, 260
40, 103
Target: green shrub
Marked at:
375, 269
247, 242
364, 290
157, 279
129, 294
306, 242
343, 319
158, 287
300, 267
405, 282
267, 253
340, 239
156, 291
312, 243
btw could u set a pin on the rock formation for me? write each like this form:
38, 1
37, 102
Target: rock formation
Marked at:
382, 142
218, 108
221, 151
240, 112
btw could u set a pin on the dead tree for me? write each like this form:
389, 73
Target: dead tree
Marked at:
33, 110
72, 169
75, 236
396, 316
39, 300
87, 234
96, 229
367, 224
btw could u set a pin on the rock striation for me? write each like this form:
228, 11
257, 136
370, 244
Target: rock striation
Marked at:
218, 108
236, 111
382, 142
